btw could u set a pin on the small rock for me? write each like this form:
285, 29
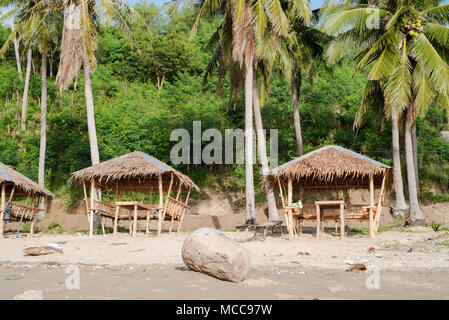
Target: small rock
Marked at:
357, 267
301, 253
30, 295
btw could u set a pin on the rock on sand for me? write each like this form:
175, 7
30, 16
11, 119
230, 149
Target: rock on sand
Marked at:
208, 251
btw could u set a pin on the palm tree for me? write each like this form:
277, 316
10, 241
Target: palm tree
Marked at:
38, 29
298, 55
404, 45
21, 7
374, 99
246, 24
10, 13
222, 57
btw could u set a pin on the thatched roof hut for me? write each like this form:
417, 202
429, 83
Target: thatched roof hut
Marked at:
139, 172
330, 167
14, 184
23, 185
133, 171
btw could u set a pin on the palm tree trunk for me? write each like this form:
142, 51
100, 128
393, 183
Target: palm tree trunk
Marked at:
261, 142
249, 176
415, 155
397, 174
43, 142
296, 117
25, 91
94, 154
416, 218
16, 48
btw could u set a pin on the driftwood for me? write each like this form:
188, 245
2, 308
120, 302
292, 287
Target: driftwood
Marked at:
357, 267
42, 250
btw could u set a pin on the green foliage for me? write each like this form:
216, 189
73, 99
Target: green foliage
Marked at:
435, 226
131, 114
54, 227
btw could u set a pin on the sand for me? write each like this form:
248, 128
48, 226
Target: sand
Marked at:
412, 264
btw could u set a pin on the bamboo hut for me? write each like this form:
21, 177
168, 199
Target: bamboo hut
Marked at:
14, 185
138, 172
330, 167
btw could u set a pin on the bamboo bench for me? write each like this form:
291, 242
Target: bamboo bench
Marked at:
174, 210
21, 212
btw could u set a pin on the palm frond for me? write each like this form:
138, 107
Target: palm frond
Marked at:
434, 66
398, 87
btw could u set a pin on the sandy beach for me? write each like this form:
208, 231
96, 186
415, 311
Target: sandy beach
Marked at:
412, 263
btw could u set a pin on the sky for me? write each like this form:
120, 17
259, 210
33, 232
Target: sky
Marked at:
315, 3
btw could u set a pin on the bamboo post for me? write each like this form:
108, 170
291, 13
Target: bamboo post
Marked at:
117, 209
380, 203
147, 225
173, 216
135, 222
2, 223
290, 214
102, 226
179, 191
161, 206
281, 194
342, 221
182, 217
91, 218
317, 207
371, 203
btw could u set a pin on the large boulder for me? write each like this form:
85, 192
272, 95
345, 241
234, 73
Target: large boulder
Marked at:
209, 251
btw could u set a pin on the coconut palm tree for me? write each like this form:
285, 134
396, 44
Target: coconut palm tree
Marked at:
79, 43
374, 99
222, 59
39, 30
246, 24
21, 7
298, 55
403, 44
11, 12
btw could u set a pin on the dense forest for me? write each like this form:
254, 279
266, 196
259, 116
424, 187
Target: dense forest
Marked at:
145, 87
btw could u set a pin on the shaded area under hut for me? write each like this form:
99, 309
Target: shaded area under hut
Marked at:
140, 173
14, 185
330, 168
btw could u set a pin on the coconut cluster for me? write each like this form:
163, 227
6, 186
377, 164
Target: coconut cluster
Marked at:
413, 29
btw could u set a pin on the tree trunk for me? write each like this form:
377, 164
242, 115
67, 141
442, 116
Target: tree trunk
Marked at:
16, 48
416, 217
249, 176
43, 142
397, 174
25, 91
261, 142
19, 65
415, 155
296, 117
94, 154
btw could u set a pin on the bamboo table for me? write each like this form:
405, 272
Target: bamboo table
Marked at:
340, 203
132, 205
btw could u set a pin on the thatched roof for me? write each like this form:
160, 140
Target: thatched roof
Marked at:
22, 184
330, 166
132, 168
